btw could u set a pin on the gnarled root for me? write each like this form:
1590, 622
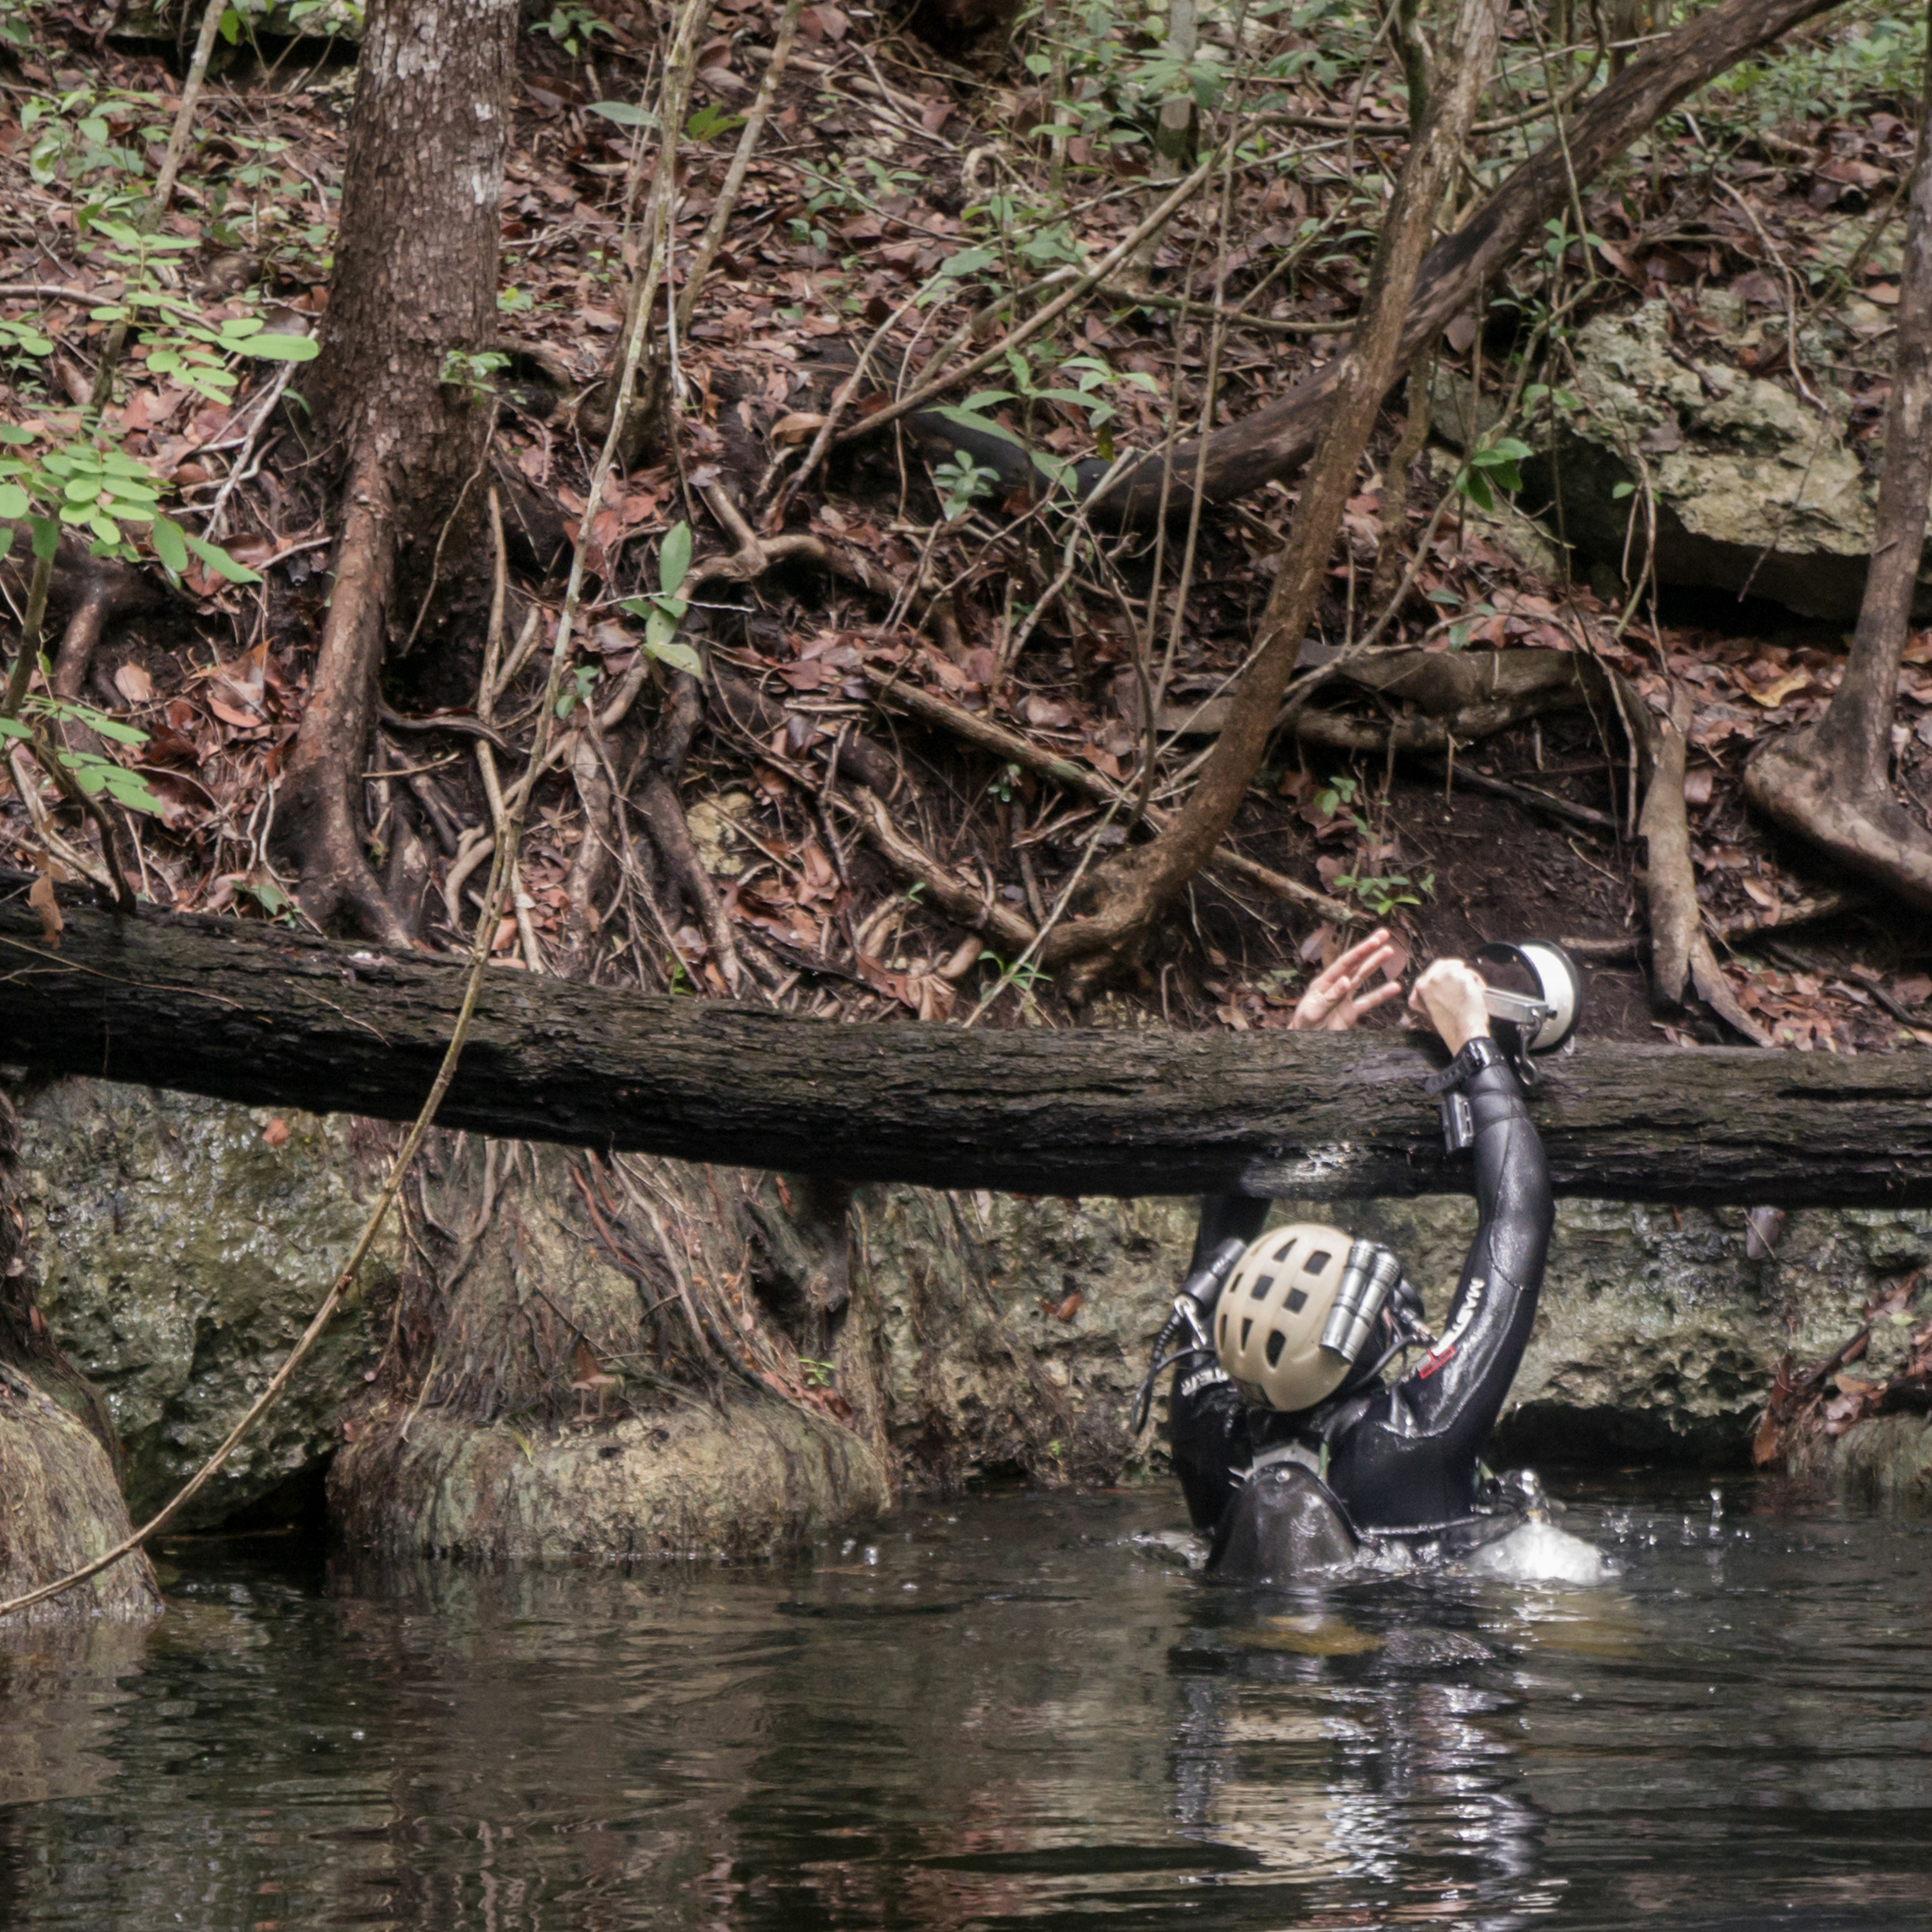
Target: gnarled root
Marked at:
1680, 949
959, 902
663, 814
319, 822
591, 865
1869, 832
84, 626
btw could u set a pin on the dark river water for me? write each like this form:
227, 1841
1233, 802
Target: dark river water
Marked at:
1013, 1710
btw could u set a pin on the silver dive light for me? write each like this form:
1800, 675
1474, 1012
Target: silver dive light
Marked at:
1537, 1022
1369, 1277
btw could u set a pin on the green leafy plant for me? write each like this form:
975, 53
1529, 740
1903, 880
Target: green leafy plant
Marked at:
1337, 796
817, 1374
582, 682
94, 773
87, 484
573, 26
1002, 782
473, 370
710, 121
21, 345
1046, 383
1383, 892
963, 483
625, 113
1876, 55
84, 131
1021, 973
1492, 465
663, 610
192, 349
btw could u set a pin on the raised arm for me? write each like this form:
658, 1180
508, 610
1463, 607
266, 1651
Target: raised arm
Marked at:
1410, 1461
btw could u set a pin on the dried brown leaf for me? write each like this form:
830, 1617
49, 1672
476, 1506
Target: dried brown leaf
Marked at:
134, 684
41, 897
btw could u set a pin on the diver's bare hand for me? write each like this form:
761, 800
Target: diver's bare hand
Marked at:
1449, 995
1332, 1002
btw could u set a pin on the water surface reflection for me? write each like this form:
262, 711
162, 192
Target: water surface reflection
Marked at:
1014, 1709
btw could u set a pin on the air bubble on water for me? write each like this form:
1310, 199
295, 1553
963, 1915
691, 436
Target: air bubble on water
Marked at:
848, 1546
871, 1554
1539, 1553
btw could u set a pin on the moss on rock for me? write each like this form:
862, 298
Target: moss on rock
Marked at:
182, 1255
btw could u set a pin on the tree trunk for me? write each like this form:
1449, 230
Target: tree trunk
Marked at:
264, 1015
415, 283
1832, 783
1275, 439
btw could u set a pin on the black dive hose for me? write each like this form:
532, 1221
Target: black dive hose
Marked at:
1193, 1309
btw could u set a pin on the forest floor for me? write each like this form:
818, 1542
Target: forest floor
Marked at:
895, 192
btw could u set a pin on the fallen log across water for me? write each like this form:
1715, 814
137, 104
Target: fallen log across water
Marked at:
259, 1014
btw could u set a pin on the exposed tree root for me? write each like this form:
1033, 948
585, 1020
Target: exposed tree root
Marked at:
1680, 949
663, 813
93, 591
80, 638
1797, 783
1814, 911
973, 728
319, 823
1528, 796
591, 865
959, 901
1390, 561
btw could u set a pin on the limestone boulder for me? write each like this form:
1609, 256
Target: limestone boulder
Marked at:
184, 1246
1752, 486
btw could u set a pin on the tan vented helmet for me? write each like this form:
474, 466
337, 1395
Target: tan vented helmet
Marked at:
1269, 1320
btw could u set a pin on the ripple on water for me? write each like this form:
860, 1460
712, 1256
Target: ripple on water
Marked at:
1026, 1708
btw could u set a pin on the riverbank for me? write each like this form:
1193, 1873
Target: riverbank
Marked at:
182, 1244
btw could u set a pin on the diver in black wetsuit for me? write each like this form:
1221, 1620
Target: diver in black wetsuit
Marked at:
1286, 1488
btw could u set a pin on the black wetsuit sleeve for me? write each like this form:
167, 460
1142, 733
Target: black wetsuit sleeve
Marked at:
1209, 1437
1410, 1461
1208, 1422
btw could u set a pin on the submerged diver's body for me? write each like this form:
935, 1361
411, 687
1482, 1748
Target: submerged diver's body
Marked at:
1396, 1459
